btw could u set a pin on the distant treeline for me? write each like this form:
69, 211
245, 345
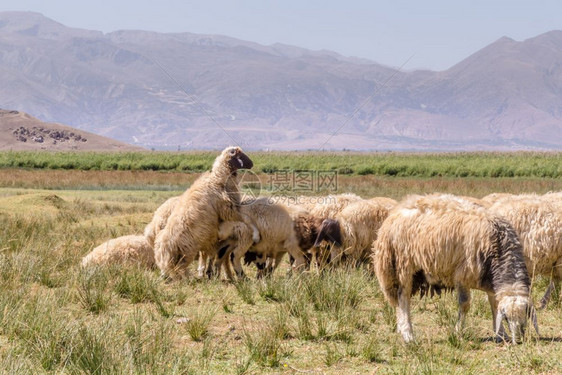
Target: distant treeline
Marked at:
520, 164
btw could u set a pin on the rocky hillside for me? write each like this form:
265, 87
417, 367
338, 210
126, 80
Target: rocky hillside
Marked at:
20, 131
198, 91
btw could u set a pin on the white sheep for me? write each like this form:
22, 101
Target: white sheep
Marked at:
450, 242
130, 249
277, 236
159, 219
352, 231
538, 223
324, 207
192, 226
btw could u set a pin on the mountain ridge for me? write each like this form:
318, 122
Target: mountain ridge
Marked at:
187, 90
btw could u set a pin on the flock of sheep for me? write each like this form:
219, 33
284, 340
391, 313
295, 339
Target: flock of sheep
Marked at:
423, 244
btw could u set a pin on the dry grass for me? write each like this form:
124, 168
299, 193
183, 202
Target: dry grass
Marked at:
366, 186
57, 318
69, 179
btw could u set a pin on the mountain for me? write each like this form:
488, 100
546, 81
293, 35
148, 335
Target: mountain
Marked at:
205, 91
20, 131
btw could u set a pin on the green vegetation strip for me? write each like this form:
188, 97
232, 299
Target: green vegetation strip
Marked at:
521, 164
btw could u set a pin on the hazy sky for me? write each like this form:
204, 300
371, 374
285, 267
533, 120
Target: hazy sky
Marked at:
440, 33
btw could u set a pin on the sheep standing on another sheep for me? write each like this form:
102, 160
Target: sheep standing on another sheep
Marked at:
538, 223
193, 223
122, 250
352, 231
450, 242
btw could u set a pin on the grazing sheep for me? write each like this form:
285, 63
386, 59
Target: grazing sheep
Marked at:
538, 223
450, 242
326, 207
276, 237
159, 219
352, 231
193, 223
384, 201
122, 250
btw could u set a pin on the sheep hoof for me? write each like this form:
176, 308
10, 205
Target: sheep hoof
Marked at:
498, 339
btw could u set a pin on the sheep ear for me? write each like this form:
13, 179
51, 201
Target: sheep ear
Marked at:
499, 319
534, 319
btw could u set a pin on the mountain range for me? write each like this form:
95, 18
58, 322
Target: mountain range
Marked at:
189, 91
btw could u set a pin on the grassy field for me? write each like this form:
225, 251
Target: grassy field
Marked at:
520, 164
57, 318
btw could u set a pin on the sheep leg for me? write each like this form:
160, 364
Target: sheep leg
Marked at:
202, 265
463, 296
403, 322
261, 264
172, 262
210, 270
276, 262
546, 297
227, 269
237, 264
269, 266
224, 250
555, 280
502, 336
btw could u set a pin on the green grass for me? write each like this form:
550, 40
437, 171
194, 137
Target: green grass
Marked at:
520, 164
57, 318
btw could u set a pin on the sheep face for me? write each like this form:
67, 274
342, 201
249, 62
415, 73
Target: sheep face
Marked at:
516, 310
237, 159
330, 231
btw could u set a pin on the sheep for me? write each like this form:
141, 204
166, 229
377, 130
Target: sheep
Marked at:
276, 237
325, 207
538, 223
353, 230
159, 219
450, 242
384, 201
193, 223
328, 206
494, 197
130, 249
158, 222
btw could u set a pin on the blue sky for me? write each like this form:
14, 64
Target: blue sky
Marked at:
440, 33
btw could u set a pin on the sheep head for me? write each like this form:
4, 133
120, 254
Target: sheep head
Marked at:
306, 228
330, 231
234, 158
516, 310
